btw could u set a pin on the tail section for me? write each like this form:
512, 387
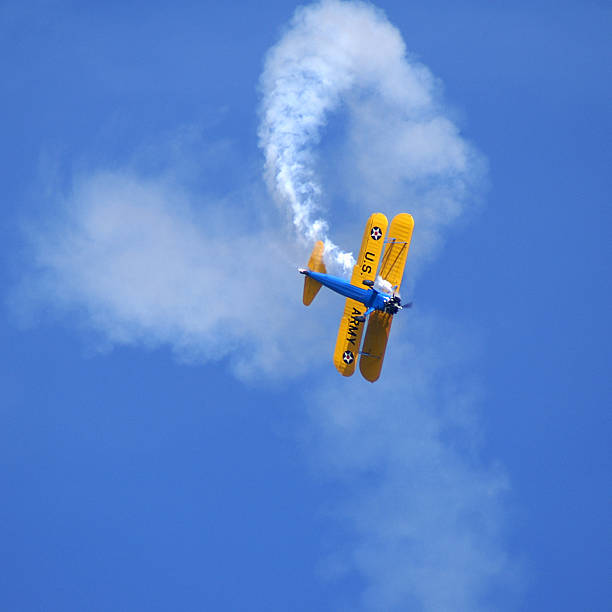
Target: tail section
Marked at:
315, 263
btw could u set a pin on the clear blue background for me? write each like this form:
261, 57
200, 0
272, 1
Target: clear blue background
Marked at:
126, 477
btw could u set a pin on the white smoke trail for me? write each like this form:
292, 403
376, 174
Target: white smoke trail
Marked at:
347, 52
147, 262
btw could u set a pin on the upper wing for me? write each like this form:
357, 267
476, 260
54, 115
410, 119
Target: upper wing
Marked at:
350, 330
398, 243
375, 345
392, 270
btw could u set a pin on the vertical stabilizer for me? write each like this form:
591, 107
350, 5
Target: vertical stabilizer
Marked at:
315, 264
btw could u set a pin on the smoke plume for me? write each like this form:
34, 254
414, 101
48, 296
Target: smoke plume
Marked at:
148, 261
348, 54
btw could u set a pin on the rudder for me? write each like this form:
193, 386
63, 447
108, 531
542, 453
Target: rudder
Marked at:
316, 264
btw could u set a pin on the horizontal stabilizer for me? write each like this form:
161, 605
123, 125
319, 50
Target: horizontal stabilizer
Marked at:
315, 264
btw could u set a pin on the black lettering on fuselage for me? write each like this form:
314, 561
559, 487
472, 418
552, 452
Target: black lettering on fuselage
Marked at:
366, 268
369, 256
353, 326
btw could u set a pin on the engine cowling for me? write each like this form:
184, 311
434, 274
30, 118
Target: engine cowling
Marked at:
392, 305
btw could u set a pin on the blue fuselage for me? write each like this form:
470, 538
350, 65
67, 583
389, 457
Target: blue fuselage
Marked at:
372, 299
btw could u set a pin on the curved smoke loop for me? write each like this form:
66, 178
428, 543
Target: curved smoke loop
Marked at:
132, 256
332, 49
116, 226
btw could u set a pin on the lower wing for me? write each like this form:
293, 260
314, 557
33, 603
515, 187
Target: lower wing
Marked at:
349, 338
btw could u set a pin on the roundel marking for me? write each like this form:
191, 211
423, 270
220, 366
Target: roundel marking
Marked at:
376, 233
347, 357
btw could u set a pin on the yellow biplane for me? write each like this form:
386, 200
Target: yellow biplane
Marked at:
365, 301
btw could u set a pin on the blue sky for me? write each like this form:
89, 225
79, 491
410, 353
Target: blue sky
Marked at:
173, 434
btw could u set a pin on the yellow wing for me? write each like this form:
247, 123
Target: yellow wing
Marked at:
392, 270
375, 345
351, 330
371, 249
398, 243
349, 338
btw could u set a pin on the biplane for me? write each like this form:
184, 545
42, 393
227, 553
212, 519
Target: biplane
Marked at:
368, 302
